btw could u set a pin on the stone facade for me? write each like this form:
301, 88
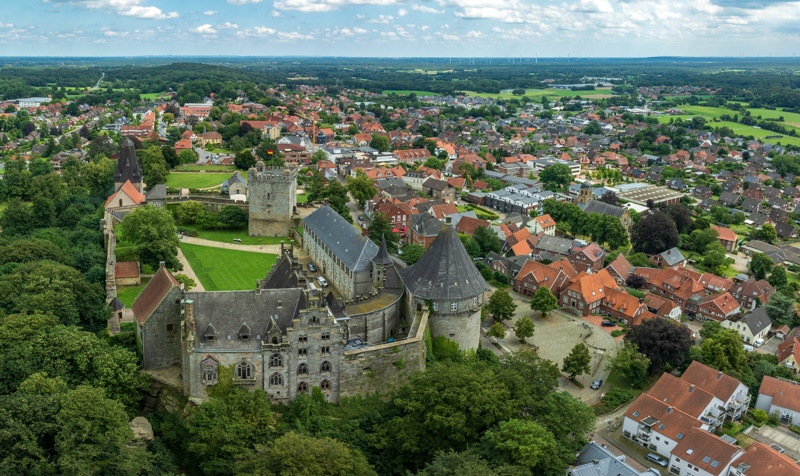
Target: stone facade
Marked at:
159, 336
459, 321
273, 199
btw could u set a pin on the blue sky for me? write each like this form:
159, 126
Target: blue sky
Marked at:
499, 28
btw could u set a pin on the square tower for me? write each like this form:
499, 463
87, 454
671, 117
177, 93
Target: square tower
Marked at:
273, 199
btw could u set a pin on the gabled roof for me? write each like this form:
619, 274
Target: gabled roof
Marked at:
621, 266
129, 190
681, 394
603, 208
153, 293
126, 269
764, 460
758, 320
785, 394
344, 241
725, 233
592, 286
717, 383
157, 192
545, 221
705, 451
664, 418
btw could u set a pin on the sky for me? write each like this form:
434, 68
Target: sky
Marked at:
397, 28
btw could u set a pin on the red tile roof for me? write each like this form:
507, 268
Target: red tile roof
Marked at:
126, 269
152, 294
129, 190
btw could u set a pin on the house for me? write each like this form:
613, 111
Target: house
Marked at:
786, 231
782, 396
662, 307
586, 292
424, 229
747, 292
209, 138
535, 274
729, 199
126, 273
657, 425
672, 258
543, 223
717, 307
603, 208
597, 460
124, 200
763, 460
623, 307
733, 394
439, 189
703, 454
412, 155
789, 352
619, 269
752, 326
553, 248
726, 237
586, 258
234, 185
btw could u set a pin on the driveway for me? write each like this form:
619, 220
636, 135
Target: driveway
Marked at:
787, 440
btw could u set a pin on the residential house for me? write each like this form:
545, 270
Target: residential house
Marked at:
656, 425
534, 274
717, 307
662, 307
597, 460
543, 223
726, 237
234, 185
586, 258
439, 189
209, 138
619, 269
763, 460
786, 231
748, 292
672, 258
623, 307
424, 229
789, 352
733, 394
782, 396
703, 454
752, 326
586, 292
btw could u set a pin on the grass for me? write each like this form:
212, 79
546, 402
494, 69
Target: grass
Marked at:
616, 379
208, 168
302, 198
196, 179
406, 92
227, 236
152, 95
218, 150
219, 269
538, 93
127, 294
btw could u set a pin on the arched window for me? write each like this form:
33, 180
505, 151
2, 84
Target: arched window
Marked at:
274, 340
325, 367
276, 360
302, 387
325, 385
244, 371
302, 369
209, 368
276, 380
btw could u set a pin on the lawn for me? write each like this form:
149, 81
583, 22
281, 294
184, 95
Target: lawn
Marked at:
152, 96
227, 236
127, 294
406, 92
709, 113
617, 380
196, 179
554, 93
217, 150
208, 168
219, 269
302, 198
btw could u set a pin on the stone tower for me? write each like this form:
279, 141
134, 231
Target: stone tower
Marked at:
380, 262
586, 193
273, 199
128, 167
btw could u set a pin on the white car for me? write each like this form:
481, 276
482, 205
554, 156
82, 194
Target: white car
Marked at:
322, 281
758, 343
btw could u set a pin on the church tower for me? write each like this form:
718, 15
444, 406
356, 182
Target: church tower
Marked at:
128, 167
586, 193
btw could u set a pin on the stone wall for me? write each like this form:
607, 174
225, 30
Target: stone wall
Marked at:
376, 327
381, 368
461, 326
160, 335
213, 202
273, 200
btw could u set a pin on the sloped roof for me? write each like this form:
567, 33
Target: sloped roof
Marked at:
128, 167
621, 266
713, 381
152, 294
785, 394
766, 461
603, 208
126, 269
353, 249
758, 320
706, 451
382, 257
445, 271
681, 394
157, 192
724, 233
129, 190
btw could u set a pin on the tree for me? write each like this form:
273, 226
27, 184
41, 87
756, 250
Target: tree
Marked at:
501, 305
610, 198
780, 308
361, 188
778, 277
558, 174
187, 156
724, 352
154, 167
168, 118
632, 364
710, 329
577, 362
714, 258
635, 281
379, 142
524, 328
663, 341
767, 233
16, 219
654, 233
170, 157
593, 128
244, 160
73, 109
188, 283
525, 443
498, 331
295, 453
153, 232
232, 217
760, 265
681, 216
189, 212
487, 240
382, 228
544, 301
412, 252
462, 464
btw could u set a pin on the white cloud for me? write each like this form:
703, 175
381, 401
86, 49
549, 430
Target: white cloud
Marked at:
228, 26
6, 25
425, 28
382, 19
358, 30
475, 34
293, 36
424, 9
113, 33
243, 2
205, 30
402, 12
127, 8
449, 37
312, 6
210, 13
275, 13
258, 32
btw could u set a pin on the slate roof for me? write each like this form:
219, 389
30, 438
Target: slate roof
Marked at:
158, 192
603, 208
227, 311
607, 463
128, 167
425, 225
382, 257
672, 256
116, 304
445, 271
555, 244
344, 241
758, 320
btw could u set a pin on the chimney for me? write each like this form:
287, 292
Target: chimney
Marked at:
162, 265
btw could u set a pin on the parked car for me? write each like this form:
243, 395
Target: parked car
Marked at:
653, 471
361, 218
656, 459
758, 343
609, 324
322, 281
311, 267
748, 348
598, 382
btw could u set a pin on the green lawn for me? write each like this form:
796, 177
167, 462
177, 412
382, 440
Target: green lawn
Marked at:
553, 93
406, 92
709, 113
227, 236
196, 179
218, 150
208, 168
302, 198
127, 294
152, 96
227, 270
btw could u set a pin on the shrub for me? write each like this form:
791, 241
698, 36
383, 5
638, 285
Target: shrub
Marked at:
795, 429
617, 333
759, 417
774, 418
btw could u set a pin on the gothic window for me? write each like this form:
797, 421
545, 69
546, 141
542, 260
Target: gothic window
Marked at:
209, 368
244, 371
325, 385
302, 339
325, 349
302, 369
120, 202
325, 367
276, 360
276, 380
302, 387
274, 340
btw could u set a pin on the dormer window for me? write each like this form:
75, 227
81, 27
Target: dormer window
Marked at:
244, 332
210, 333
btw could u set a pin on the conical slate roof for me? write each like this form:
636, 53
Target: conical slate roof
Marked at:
128, 167
382, 257
586, 184
445, 271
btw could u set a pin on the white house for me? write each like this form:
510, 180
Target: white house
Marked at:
752, 326
782, 396
657, 426
701, 453
542, 223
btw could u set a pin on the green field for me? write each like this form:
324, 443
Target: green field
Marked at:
538, 93
227, 270
153, 95
207, 168
406, 92
127, 294
302, 198
218, 150
195, 179
227, 236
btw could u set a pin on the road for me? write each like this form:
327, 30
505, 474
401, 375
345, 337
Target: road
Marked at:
97, 85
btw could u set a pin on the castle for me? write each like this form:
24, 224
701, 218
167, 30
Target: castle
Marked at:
272, 193
286, 336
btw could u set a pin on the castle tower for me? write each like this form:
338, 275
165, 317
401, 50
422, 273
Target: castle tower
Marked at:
128, 167
380, 262
586, 193
272, 193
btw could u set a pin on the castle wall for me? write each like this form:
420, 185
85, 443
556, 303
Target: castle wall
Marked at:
461, 326
160, 335
273, 197
376, 327
350, 284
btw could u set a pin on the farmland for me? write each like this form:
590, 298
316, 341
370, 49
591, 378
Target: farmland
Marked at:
551, 93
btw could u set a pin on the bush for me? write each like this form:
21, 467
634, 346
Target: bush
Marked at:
795, 429
127, 254
615, 398
759, 417
617, 333
774, 418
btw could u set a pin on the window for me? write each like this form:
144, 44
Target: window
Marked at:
209, 369
302, 387
274, 340
302, 352
276, 360
326, 336
170, 327
302, 369
276, 379
475, 301
244, 371
435, 306
302, 339
453, 306
325, 385
325, 367
325, 349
